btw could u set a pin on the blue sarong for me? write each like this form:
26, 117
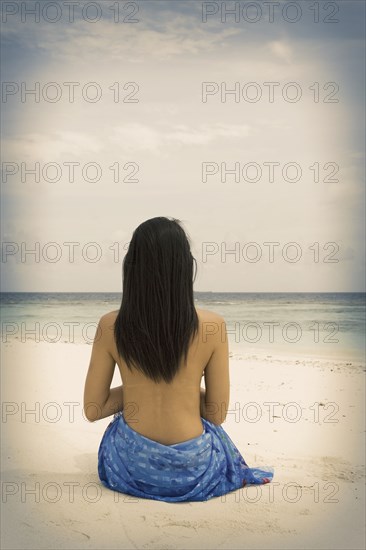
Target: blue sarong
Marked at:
206, 466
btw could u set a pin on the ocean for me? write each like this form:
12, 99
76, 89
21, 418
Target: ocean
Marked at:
259, 325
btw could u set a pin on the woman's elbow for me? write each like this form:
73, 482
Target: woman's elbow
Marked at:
215, 414
92, 412
218, 420
90, 417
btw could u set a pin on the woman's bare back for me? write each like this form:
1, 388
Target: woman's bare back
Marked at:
167, 413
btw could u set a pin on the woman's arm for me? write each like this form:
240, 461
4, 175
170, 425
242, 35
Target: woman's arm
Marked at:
100, 400
113, 404
214, 400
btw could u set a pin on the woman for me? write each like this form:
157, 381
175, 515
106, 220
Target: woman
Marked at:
166, 441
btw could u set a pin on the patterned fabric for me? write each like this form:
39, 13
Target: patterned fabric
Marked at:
206, 466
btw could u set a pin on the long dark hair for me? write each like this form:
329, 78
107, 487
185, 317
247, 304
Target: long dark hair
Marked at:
157, 318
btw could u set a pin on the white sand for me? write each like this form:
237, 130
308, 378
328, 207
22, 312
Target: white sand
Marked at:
316, 499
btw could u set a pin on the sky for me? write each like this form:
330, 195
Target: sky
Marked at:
246, 126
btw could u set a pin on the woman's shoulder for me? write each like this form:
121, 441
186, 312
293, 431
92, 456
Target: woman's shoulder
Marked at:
209, 315
107, 320
110, 316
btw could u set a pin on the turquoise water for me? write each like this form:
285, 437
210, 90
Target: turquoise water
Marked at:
325, 325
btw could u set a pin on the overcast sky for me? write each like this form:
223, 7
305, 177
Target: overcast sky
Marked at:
172, 143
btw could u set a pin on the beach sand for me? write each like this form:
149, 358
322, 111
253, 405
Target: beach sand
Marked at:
303, 417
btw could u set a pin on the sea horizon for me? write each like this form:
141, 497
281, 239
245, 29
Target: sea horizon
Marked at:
195, 292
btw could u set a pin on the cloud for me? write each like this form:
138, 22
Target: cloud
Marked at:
154, 37
135, 136
282, 50
206, 133
51, 147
